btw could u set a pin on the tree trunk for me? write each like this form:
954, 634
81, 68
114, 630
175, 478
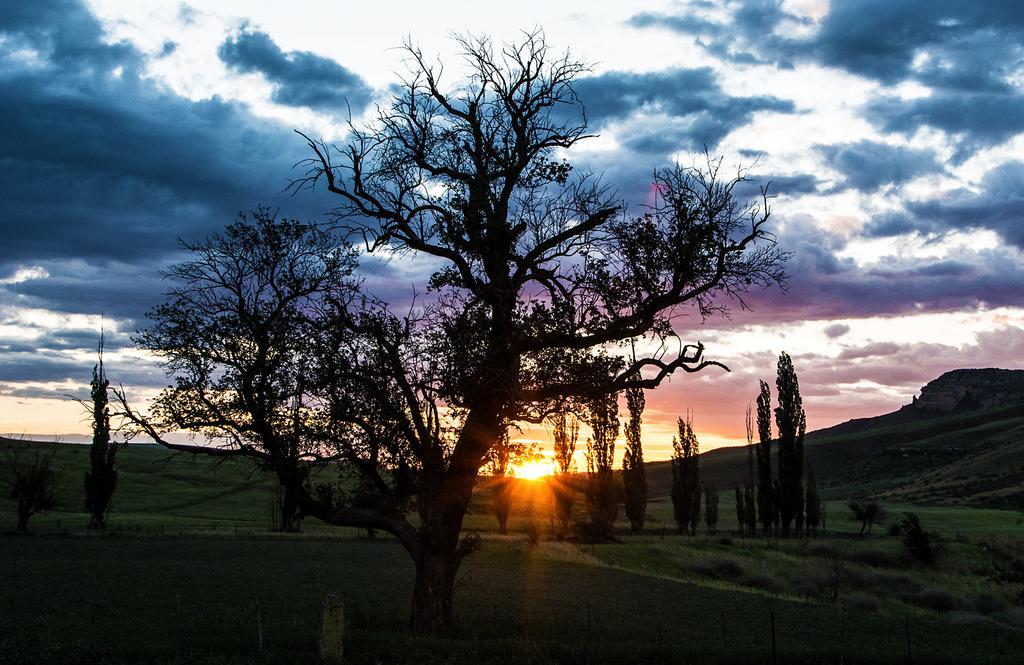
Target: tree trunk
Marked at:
432, 593
23, 516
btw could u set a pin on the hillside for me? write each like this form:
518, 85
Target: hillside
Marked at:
960, 443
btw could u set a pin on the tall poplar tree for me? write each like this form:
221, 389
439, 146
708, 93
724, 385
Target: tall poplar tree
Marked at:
792, 424
686, 490
566, 433
765, 493
634, 477
602, 502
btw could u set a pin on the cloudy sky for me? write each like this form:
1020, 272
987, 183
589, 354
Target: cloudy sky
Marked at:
892, 134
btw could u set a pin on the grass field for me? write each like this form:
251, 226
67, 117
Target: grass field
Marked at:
188, 556
175, 600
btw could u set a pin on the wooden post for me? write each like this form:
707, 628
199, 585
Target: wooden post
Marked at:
906, 629
332, 629
771, 616
259, 626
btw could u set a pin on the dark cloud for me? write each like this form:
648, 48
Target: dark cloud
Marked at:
300, 78
975, 119
867, 165
971, 54
777, 185
823, 284
872, 350
836, 330
101, 165
696, 111
998, 207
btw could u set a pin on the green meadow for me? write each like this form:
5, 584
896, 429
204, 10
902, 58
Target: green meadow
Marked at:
188, 556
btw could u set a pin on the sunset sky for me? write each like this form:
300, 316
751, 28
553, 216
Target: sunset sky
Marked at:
893, 134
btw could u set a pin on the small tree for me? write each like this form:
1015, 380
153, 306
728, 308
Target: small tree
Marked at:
686, 491
565, 433
792, 423
766, 503
813, 502
634, 476
917, 541
741, 509
602, 502
868, 513
505, 454
31, 482
101, 478
711, 509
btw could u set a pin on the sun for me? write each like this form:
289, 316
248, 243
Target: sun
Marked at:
533, 470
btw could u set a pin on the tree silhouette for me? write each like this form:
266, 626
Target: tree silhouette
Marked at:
540, 276
31, 482
766, 503
101, 478
711, 509
602, 497
813, 502
504, 455
565, 435
634, 476
792, 424
686, 490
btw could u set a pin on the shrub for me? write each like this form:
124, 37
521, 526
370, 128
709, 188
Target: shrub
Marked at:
1015, 615
823, 550
723, 568
939, 600
985, 604
862, 601
917, 541
765, 582
877, 558
533, 533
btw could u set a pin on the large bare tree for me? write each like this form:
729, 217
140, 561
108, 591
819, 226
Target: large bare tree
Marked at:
540, 277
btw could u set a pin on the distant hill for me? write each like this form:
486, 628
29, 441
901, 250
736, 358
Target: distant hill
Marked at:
960, 443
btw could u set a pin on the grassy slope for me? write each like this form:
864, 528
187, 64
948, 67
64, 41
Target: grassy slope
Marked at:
972, 458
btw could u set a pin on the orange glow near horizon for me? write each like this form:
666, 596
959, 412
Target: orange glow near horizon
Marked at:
533, 470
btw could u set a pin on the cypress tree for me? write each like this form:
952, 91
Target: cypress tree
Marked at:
792, 423
634, 477
101, 478
765, 502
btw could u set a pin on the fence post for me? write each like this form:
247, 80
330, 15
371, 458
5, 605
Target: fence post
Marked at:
906, 630
332, 629
772, 617
259, 626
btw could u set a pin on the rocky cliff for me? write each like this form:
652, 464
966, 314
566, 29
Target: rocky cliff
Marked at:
964, 389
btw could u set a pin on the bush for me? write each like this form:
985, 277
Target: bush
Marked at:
533, 533
1015, 615
917, 541
985, 604
823, 550
939, 600
862, 601
723, 568
764, 582
877, 558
